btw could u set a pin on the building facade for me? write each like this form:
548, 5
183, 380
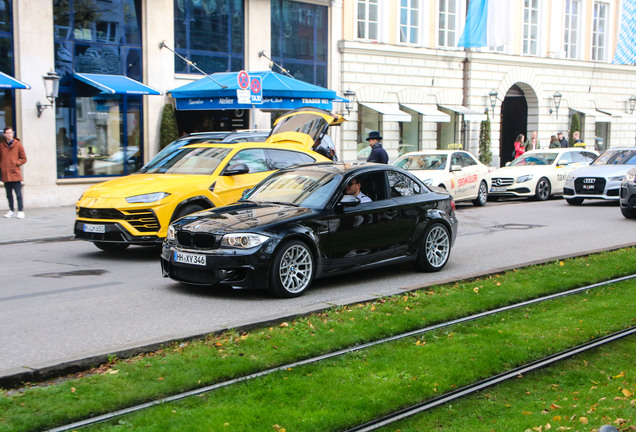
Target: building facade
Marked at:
399, 61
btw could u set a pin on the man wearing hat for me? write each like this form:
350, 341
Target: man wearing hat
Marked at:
562, 140
378, 154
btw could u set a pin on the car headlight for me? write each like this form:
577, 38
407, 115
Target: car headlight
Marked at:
616, 178
630, 177
524, 178
147, 198
243, 240
170, 236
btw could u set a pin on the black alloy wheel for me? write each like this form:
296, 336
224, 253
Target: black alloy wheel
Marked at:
542, 191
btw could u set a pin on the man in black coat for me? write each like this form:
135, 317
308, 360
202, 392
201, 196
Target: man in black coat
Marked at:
378, 154
562, 140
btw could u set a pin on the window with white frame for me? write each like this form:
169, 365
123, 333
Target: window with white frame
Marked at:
447, 23
368, 17
410, 21
570, 40
531, 27
599, 31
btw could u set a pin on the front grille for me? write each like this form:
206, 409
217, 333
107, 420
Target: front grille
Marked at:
589, 185
502, 181
194, 276
197, 240
143, 220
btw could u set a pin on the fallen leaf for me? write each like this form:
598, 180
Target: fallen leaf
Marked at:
556, 418
555, 406
476, 289
72, 389
526, 412
627, 393
583, 420
284, 324
561, 263
620, 375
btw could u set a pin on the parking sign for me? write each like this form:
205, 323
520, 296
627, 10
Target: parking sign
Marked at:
256, 90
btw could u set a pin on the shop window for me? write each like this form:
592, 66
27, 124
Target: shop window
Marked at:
299, 39
97, 134
210, 33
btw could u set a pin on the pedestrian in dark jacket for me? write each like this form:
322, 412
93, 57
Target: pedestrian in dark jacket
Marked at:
378, 154
12, 157
562, 140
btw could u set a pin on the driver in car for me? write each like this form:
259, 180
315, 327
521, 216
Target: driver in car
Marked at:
353, 188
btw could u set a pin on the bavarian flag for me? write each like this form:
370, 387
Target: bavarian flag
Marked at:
487, 24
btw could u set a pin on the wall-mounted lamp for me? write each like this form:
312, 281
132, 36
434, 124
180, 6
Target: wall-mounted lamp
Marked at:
493, 99
557, 103
350, 95
632, 104
51, 87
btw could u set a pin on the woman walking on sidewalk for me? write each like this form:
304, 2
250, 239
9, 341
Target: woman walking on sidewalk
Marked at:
12, 157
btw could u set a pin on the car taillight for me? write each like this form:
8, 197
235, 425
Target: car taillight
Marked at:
452, 203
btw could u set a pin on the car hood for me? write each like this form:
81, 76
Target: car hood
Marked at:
241, 217
138, 184
601, 171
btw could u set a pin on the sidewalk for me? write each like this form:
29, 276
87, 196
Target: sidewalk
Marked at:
49, 223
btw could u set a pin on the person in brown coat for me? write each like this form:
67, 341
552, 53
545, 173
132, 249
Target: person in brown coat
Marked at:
12, 157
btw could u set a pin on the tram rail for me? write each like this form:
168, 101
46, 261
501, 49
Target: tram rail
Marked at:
373, 425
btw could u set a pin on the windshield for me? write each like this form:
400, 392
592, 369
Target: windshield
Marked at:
174, 145
534, 159
423, 162
616, 157
308, 123
189, 160
309, 189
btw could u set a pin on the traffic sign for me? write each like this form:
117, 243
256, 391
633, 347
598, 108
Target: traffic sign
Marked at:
243, 79
256, 90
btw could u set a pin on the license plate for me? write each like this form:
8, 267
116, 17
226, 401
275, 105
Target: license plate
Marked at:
188, 258
498, 189
91, 228
588, 187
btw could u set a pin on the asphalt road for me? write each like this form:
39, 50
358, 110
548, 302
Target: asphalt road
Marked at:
65, 301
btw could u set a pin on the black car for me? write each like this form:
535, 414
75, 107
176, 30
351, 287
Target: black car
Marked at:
298, 224
628, 194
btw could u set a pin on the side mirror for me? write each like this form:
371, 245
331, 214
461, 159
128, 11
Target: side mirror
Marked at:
245, 192
456, 168
239, 168
349, 201
563, 163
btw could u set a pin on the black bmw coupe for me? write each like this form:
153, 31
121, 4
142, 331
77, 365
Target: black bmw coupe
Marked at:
299, 224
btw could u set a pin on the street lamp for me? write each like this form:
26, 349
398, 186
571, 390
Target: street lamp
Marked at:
632, 104
557, 102
51, 88
350, 95
493, 99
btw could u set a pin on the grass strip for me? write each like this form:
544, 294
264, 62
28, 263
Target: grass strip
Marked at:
345, 391
232, 354
579, 394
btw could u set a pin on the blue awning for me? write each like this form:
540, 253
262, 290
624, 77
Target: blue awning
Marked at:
116, 84
220, 91
8, 82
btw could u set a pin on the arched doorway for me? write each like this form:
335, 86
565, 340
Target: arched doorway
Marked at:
514, 121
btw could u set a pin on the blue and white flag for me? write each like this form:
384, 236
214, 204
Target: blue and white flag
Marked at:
487, 24
626, 47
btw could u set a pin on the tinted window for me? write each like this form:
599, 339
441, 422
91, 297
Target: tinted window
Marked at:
285, 158
467, 160
253, 158
402, 185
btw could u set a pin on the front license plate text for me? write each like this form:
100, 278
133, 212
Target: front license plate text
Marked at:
91, 228
188, 258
